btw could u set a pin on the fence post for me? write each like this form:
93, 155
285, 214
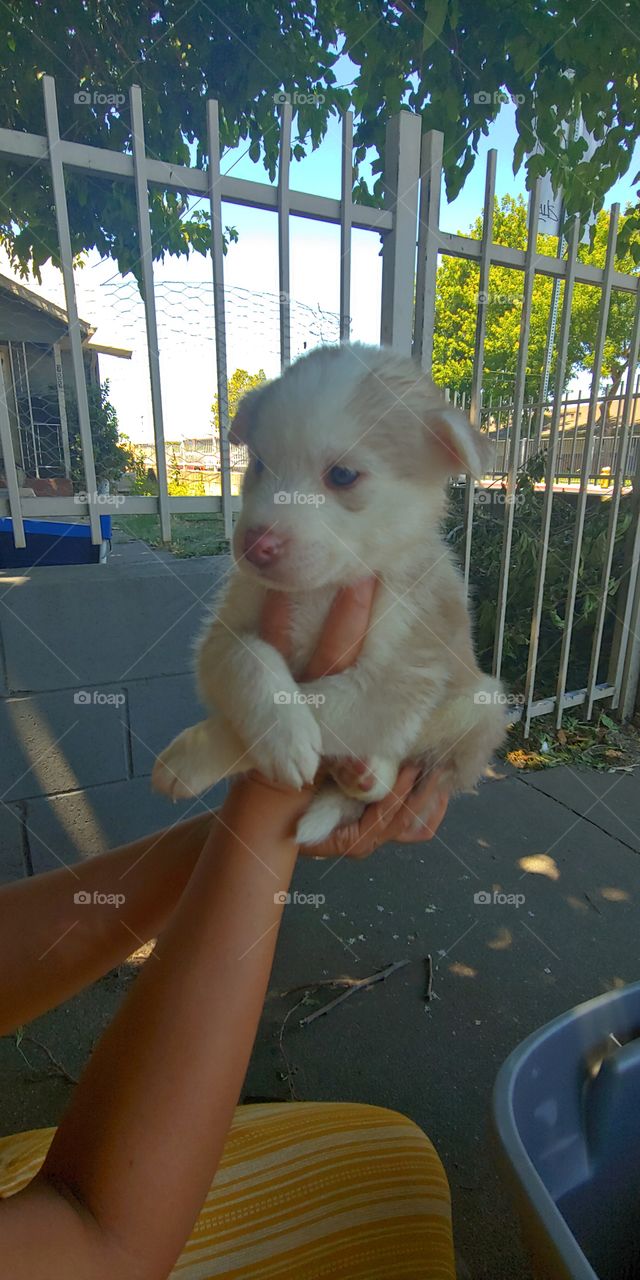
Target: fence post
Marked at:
401, 179
346, 215
428, 235
284, 259
73, 322
148, 295
477, 370
219, 319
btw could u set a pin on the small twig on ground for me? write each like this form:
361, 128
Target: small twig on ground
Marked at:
58, 1067
322, 982
358, 985
290, 1070
428, 995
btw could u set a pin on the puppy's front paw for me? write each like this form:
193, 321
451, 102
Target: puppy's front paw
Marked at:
367, 780
187, 767
290, 750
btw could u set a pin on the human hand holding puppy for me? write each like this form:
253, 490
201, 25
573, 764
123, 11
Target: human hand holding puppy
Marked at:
416, 805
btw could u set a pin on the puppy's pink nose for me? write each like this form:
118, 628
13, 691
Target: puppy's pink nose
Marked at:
262, 547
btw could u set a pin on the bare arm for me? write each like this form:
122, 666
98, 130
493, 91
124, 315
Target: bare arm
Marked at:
135, 1153
51, 947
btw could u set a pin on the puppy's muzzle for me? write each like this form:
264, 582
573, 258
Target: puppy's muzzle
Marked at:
262, 547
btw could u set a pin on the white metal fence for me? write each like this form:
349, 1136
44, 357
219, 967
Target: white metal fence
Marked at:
410, 216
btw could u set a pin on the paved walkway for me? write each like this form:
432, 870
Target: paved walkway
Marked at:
567, 840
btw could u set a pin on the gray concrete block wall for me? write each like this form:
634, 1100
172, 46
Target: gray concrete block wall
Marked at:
95, 678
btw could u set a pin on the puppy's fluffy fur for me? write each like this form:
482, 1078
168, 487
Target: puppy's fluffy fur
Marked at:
416, 692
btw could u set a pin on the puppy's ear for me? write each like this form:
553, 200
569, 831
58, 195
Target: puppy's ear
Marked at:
245, 417
453, 441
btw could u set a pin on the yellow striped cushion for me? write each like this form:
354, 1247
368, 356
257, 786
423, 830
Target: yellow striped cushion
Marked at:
306, 1190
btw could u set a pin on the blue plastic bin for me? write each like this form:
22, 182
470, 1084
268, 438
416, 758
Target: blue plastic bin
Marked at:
566, 1113
51, 542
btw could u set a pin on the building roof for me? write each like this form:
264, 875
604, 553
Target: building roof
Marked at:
31, 299
22, 294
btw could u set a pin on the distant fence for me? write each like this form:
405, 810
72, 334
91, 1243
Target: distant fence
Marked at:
610, 445
410, 216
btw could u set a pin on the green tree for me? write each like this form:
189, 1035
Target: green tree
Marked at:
239, 382
457, 303
448, 60
112, 453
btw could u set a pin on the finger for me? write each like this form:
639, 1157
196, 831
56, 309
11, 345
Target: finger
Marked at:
425, 809
426, 827
275, 622
423, 795
344, 630
337, 845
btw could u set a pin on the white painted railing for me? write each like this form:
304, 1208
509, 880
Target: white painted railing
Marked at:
410, 217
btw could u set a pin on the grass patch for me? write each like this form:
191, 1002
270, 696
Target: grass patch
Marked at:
191, 535
596, 744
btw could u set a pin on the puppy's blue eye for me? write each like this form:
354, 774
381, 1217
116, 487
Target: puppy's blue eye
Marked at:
342, 477
258, 464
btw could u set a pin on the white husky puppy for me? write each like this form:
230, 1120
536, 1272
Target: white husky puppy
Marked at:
350, 450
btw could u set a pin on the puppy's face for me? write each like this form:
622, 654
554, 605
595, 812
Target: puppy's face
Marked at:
349, 451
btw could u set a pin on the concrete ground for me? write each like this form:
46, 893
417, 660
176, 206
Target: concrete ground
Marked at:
567, 840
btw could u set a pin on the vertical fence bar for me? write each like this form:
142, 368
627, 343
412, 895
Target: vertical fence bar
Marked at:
541, 569
616, 443
346, 209
73, 321
9, 464
478, 348
574, 442
219, 318
498, 440
562, 430
625, 637
518, 402
148, 294
428, 239
62, 409
630, 680
603, 317
599, 439
284, 256
628, 648
34, 441
401, 180
618, 478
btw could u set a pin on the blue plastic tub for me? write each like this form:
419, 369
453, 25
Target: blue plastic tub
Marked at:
51, 542
566, 1112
